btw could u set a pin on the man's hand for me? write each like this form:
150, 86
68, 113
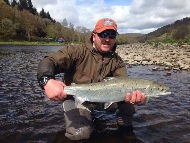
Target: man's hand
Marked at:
136, 97
54, 90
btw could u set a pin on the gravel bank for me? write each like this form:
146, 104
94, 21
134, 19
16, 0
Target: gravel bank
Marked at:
171, 56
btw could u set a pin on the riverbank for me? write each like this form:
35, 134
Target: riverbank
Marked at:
31, 43
171, 56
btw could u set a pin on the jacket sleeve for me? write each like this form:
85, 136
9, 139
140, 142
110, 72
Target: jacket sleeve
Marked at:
59, 62
46, 66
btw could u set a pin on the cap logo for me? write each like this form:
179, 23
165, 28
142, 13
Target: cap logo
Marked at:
108, 22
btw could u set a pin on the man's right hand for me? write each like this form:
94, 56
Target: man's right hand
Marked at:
55, 90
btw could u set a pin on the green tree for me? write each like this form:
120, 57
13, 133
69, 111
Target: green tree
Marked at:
30, 5
72, 34
28, 23
48, 15
23, 5
81, 32
14, 3
16, 19
40, 30
57, 29
7, 2
47, 22
7, 28
43, 13
31, 8
64, 23
5, 11
50, 33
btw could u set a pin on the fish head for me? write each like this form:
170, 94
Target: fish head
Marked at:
156, 89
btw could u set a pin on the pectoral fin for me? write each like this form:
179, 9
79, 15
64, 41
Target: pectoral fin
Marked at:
146, 100
107, 105
78, 101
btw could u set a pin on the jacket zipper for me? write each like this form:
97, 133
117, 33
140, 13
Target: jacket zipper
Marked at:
101, 69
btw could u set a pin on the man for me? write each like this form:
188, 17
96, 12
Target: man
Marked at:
87, 63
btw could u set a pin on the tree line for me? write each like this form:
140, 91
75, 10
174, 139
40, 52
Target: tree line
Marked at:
21, 21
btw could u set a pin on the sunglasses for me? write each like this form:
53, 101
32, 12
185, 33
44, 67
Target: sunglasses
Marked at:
105, 34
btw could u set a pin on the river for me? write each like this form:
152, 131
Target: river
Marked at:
28, 116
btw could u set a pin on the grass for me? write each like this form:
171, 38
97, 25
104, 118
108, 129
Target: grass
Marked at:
179, 41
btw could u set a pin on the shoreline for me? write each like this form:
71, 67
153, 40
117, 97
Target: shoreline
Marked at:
170, 56
32, 43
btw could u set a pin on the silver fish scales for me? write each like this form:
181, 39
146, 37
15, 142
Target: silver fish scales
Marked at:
114, 90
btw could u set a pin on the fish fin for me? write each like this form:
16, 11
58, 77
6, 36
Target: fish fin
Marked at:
146, 100
72, 84
78, 101
107, 105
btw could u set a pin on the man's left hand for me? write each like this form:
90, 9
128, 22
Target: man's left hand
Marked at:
136, 97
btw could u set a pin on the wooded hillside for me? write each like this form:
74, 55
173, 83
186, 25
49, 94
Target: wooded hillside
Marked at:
20, 21
177, 30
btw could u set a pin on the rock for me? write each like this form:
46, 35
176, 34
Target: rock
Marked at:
144, 62
155, 68
176, 69
168, 64
180, 64
168, 73
186, 67
187, 61
138, 59
146, 59
167, 68
186, 53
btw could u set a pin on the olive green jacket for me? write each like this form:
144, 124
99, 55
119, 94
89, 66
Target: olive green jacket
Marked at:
82, 64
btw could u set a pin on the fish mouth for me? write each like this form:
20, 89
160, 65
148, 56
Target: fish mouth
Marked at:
165, 92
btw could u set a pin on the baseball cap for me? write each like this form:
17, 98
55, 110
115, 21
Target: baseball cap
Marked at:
104, 24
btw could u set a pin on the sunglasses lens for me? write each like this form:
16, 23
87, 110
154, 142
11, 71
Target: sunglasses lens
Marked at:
104, 35
112, 35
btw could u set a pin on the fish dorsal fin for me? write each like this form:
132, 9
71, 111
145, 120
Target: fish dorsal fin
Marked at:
108, 78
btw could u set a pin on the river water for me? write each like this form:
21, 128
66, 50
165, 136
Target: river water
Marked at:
28, 116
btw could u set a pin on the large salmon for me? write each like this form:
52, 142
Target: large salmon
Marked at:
114, 90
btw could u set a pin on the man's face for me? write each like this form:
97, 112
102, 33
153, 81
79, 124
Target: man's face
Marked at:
104, 45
